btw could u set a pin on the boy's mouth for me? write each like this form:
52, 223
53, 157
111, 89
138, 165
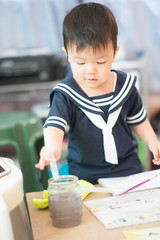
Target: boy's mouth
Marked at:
91, 79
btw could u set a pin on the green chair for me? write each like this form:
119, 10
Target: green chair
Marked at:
23, 131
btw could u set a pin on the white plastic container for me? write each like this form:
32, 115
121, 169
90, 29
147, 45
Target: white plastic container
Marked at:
14, 221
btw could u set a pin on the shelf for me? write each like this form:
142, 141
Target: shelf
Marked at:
28, 87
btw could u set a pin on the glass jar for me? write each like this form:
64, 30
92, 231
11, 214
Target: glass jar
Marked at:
64, 201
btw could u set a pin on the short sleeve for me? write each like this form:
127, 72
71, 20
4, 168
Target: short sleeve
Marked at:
136, 112
60, 112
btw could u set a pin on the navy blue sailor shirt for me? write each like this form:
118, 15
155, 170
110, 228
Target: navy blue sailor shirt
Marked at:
85, 140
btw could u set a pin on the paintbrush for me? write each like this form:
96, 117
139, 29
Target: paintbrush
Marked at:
139, 184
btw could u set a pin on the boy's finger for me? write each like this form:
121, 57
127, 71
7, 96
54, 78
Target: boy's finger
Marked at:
156, 155
37, 165
41, 164
156, 162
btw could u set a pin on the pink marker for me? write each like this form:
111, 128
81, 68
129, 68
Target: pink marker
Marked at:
139, 184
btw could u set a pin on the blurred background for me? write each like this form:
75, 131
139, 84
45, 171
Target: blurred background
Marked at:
32, 62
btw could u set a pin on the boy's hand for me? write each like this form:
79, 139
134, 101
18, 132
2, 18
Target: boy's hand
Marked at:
154, 147
45, 158
53, 146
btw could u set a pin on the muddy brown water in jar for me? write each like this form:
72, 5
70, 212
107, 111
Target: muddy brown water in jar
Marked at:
64, 200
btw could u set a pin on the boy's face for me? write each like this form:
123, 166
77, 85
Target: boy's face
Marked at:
92, 68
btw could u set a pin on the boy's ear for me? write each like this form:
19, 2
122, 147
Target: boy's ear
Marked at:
118, 47
63, 49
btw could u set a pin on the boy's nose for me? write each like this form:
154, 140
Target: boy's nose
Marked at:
91, 70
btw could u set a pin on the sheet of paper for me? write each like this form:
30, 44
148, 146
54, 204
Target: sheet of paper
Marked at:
144, 234
120, 184
128, 209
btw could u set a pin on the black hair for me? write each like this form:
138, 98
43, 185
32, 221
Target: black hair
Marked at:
90, 24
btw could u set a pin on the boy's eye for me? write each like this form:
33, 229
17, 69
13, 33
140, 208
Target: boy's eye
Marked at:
80, 63
101, 62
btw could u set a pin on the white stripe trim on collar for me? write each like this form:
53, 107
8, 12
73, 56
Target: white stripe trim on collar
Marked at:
124, 91
75, 93
103, 101
104, 104
106, 99
95, 108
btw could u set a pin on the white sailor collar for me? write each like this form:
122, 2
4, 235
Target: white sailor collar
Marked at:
124, 87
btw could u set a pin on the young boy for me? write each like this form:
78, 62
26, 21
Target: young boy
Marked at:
100, 105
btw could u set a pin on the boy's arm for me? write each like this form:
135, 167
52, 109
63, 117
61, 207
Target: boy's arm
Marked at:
53, 138
145, 131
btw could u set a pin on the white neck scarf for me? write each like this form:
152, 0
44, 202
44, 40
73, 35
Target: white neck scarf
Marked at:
110, 151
